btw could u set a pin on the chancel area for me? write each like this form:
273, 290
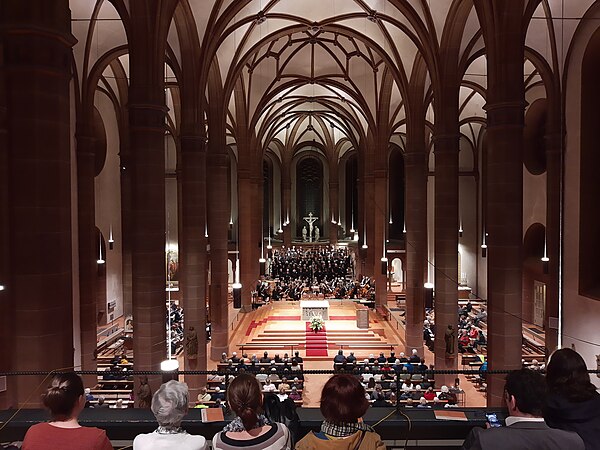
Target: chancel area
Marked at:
380, 187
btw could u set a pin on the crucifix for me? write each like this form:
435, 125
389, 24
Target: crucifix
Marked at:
310, 220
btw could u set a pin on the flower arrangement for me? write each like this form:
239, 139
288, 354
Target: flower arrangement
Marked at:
317, 324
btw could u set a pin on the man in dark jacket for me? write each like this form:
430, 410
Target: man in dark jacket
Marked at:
525, 395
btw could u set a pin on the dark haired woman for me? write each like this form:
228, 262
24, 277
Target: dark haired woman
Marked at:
573, 404
343, 404
250, 429
65, 399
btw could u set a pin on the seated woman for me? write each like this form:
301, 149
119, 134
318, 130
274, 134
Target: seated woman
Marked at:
343, 404
250, 429
65, 399
573, 404
169, 405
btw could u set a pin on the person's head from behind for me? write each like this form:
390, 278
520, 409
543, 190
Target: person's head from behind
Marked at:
170, 404
525, 393
245, 399
65, 397
343, 399
567, 375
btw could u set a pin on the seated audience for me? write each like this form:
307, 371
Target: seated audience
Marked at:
423, 403
65, 399
265, 359
379, 400
573, 404
429, 394
250, 429
204, 396
343, 404
339, 358
294, 394
282, 395
218, 395
298, 358
524, 394
169, 405
414, 358
101, 403
269, 387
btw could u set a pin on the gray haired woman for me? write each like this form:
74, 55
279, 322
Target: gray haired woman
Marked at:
169, 405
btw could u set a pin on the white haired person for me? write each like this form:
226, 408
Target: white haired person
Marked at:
169, 405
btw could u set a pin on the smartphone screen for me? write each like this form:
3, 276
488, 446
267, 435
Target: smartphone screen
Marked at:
493, 420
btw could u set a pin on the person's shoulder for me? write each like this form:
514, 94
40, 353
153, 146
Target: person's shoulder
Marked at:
195, 442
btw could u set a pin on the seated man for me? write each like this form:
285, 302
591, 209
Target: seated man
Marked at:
234, 358
350, 359
381, 358
525, 396
218, 395
414, 358
297, 357
265, 359
339, 358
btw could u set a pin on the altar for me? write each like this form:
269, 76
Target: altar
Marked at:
314, 308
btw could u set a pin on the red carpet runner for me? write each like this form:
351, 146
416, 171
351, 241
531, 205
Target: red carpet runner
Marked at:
316, 343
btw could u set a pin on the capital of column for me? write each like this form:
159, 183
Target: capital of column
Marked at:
505, 114
193, 143
147, 116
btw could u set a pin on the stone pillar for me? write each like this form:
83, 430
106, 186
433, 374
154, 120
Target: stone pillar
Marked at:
146, 126
286, 210
379, 213
218, 219
88, 246
193, 250
126, 228
505, 241
246, 248
446, 252
368, 226
37, 71
553, 189
415, 164
334, 188
258, 242
6, 339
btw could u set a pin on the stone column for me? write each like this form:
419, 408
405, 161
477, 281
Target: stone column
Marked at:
446, 252
88, 246
218, 219
193, 250
287, 209
553, 189
6, 338
368, 221
257, 220
334, 188
37, 71
246, 248
505, 240
146, 126
379, 212
126, 228
415, 164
